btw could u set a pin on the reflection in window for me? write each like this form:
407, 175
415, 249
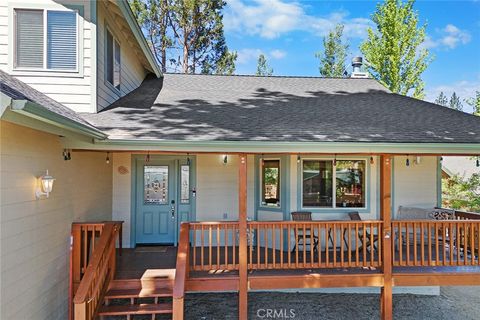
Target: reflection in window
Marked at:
271, 183
317, 183
350, 184
155, 185
185, 184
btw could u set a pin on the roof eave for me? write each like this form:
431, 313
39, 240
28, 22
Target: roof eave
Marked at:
137, 32
289, 147
38, 112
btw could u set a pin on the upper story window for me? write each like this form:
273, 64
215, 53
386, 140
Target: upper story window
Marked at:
333, 186
112, 58
46, 40
271, 183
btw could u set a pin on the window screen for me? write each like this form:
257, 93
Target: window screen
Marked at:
29, 38
61, 40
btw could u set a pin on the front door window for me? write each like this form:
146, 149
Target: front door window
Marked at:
155, 185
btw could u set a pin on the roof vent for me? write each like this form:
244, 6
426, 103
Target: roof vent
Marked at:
357, 63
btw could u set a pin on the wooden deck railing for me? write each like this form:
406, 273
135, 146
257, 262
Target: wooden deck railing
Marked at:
98, 273
424, 243
287, 245
181, 272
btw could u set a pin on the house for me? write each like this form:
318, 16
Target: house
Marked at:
462, 166
213, 165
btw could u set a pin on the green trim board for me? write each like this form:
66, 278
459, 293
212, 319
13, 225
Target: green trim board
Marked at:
268, 147
137, 159
439, 181
38, 112
335, 210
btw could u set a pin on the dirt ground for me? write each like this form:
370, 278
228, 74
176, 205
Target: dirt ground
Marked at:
452, 303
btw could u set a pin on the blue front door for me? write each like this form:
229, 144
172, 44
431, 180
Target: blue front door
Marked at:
156, 202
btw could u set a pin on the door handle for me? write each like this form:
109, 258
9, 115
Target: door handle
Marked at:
172, 209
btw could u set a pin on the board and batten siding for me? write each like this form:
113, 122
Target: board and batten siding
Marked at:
35, 234
132, 72
76, 90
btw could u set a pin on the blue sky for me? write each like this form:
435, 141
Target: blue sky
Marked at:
290, 32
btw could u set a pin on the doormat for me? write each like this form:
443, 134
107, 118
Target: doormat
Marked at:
151, 249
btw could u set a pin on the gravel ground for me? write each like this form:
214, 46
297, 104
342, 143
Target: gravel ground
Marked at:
453, 303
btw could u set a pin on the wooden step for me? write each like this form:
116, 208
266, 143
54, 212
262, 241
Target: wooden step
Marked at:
136, 309
137, 288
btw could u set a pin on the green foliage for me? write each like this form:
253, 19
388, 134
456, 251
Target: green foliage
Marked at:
186, 34
442, 99
263, 68
225, 65
332, 58
153, 18
475, 103
393, 51
461, 193
455, 102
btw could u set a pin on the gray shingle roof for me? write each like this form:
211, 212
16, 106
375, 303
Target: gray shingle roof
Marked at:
248, 108
18, 90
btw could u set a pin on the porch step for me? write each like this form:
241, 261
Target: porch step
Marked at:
136, 309
138, 288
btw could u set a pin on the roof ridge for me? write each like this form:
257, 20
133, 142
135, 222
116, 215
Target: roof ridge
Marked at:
272, 76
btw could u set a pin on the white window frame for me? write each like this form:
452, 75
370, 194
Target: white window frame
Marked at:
260, 178
334, 184
115, 39
45, 26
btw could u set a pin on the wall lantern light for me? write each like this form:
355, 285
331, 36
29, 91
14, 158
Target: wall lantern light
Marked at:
46, 186
418, 160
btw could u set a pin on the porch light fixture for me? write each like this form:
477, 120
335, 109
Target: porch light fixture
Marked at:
225, 159
371, 160
298, 158
147, 157
107, 159
418, 160
478, 162
66, 155
407, 162
46, 182
335, 161
188, 160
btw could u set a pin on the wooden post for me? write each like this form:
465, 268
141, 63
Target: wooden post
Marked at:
242, 230
386, 215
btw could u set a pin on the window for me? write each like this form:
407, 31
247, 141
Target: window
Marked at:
112, 57
327, 186
271, 183
46, 39
185, 184
155, 185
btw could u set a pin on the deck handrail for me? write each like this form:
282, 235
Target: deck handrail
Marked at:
100, 271
182, 271
463, 215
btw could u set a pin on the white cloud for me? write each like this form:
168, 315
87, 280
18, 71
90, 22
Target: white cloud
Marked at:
448, 38
246, 55
278, 54
273, 18
464, 89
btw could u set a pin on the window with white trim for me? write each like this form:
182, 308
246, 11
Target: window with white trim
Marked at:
112, 58
270, 183
333, 184
46, 40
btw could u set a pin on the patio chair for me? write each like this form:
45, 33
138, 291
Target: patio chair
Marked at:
367, 239
299, 233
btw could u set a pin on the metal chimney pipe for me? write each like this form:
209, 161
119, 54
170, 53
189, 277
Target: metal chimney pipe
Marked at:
357, 63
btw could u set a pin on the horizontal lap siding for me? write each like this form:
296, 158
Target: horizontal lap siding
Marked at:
415, 185
74, 91
35, 234
132, 72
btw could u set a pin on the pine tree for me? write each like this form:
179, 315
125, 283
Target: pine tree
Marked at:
455, 102
263, 68
475, 103
393, 50
442, 99
332, 58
